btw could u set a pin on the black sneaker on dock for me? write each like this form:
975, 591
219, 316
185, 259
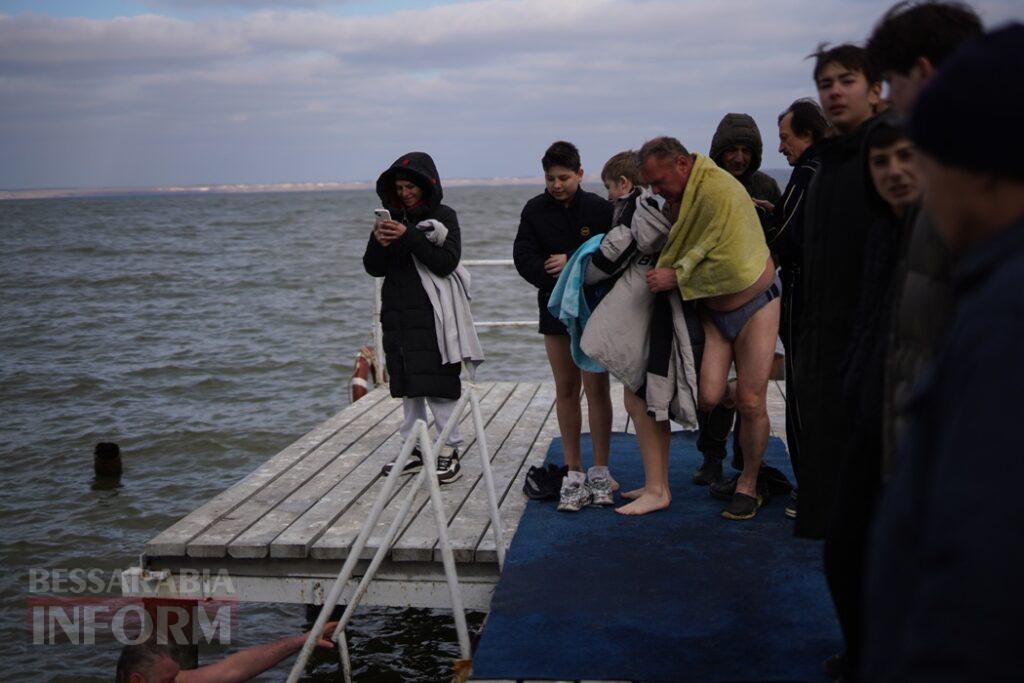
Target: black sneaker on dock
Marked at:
413, 465
448, 469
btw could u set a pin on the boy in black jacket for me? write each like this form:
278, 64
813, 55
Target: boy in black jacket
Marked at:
552, 226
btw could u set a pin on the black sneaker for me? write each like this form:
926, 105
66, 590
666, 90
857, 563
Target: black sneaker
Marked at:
791, 505
742, 507
709, 471
448, 469
413, 465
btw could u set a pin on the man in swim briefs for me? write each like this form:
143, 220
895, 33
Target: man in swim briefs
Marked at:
716, 254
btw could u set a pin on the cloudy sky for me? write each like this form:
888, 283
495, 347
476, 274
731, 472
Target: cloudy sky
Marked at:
157, 92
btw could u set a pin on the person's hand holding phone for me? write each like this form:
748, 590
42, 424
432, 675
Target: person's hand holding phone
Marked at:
387, 231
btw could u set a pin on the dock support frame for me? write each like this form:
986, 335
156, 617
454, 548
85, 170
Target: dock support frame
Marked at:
428, 475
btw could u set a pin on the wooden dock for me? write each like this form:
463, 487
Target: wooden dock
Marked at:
282, 532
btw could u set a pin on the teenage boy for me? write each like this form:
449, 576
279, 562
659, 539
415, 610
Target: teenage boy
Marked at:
552, 226
836, 224
944, 592
907, 45
894, 189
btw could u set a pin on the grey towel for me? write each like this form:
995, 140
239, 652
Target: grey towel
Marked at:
450, 296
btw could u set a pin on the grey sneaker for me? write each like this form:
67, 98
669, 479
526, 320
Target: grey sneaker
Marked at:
600, 490
574, 496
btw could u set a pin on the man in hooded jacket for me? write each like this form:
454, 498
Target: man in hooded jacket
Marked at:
737, 148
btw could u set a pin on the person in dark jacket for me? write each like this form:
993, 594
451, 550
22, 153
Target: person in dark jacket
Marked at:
736, 147
894, 190
944, 593
802, 128
906, 46
836, 222
411, 191
552, 226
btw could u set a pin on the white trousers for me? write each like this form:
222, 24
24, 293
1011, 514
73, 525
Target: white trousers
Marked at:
416, 409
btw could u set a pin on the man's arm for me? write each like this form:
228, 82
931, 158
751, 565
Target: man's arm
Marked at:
529, 257
249, 663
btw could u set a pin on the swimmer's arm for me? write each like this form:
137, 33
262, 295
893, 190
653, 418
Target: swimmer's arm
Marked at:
251, 662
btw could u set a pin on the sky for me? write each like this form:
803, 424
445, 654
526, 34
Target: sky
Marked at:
185, 92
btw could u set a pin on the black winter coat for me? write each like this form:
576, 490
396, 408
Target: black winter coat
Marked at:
549, 227
407, 317
836, 223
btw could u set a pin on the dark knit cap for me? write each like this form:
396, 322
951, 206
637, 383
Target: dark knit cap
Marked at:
969, 114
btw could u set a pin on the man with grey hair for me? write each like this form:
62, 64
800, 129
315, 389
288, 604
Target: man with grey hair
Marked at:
716, 255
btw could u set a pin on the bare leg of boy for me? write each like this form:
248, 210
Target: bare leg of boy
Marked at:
654, 438
567, 397
599, 408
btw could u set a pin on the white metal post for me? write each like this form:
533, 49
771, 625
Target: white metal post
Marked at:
492, 497
430, 467
350, 562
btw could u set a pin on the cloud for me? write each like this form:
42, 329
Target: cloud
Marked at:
300, 94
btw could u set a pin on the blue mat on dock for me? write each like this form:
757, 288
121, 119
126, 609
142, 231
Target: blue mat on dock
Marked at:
678, 595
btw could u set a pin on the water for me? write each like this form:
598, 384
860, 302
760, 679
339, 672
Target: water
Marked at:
202, 334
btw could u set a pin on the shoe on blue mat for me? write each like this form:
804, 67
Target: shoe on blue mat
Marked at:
742, 507
575, 494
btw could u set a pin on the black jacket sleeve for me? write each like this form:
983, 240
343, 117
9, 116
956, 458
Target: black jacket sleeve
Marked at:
440, 260
376, 258
529, 256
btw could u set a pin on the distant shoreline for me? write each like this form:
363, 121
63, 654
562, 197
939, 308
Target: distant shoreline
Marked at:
254, 188
240, 188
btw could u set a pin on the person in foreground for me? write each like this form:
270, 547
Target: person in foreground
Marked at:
410, 189
716, 253
151, 662
944, 593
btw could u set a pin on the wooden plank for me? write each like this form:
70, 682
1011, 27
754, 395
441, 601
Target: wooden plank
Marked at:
336, 540
173, 540
514, 501
776, 403
333, 453
419, 538
473, 520
317, 506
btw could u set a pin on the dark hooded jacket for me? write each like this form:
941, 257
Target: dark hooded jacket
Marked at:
740, 129
407, 317
837, 221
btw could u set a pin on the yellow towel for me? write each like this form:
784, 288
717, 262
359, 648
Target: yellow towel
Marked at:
716, 245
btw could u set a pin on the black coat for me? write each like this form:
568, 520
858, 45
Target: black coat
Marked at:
838, 217
944, 593
549, 227
740, 129
407, 317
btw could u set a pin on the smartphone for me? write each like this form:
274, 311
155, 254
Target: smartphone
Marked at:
381, 215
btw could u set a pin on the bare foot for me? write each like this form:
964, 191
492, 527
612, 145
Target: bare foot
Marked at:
648, 502
634, 494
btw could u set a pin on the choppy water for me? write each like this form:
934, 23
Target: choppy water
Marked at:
203, 334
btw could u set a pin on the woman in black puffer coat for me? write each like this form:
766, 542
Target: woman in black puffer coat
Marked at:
411, 191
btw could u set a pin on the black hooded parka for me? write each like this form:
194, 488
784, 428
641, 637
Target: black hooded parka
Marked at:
407, 317
741, 129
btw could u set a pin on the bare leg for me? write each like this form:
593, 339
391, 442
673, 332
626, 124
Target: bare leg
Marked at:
567, 397
599, 407
627, 397
714, 366
755, 353
654, 444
